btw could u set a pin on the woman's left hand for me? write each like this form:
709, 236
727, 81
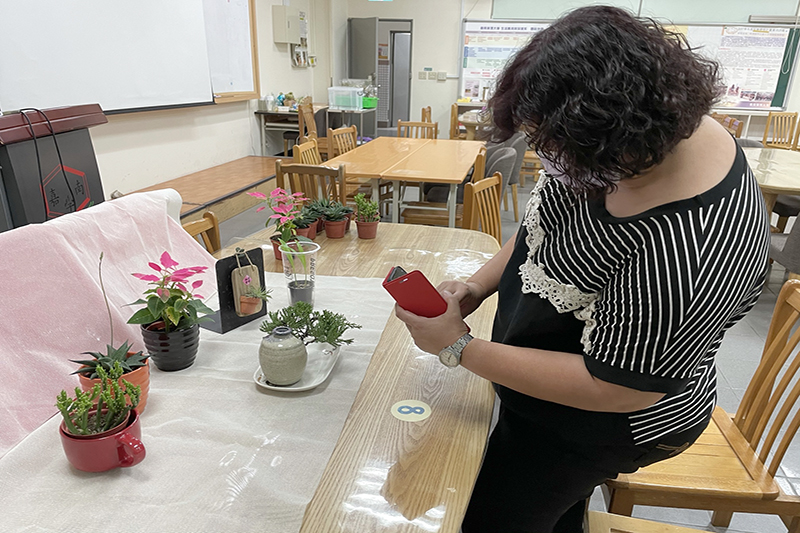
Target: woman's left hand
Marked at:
434, 334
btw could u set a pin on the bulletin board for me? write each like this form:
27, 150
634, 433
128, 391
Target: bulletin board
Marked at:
756, 61
232, 49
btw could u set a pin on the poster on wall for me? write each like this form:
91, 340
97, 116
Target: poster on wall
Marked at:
751, 58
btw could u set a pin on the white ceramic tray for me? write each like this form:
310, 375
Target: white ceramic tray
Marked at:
321, 360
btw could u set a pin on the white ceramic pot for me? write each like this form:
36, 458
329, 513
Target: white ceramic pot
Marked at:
283, 357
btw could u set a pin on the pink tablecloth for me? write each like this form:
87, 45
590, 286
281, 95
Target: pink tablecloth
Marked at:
52, 307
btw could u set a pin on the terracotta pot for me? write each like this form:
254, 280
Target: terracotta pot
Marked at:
140, 376
120, 447
349, 219
320, 225
248, 305
367, 230
310, 232
275, 243
335, 230
171, 351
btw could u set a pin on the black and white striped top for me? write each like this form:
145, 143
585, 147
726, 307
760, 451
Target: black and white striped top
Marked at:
650, 296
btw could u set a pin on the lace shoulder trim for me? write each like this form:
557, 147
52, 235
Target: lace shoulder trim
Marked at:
564, 297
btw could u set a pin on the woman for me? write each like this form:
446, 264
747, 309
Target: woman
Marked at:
646, 241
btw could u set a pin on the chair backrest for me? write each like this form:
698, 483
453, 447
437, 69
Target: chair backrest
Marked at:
307, 153
482, 206
520, 144
417, 130
502, 161
719, 117
479, 168
306, 122
314, 181
455, 131
766, 407
208, 229
426, 114
781, 124
342, 140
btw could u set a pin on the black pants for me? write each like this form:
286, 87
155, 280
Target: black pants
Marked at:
533, 481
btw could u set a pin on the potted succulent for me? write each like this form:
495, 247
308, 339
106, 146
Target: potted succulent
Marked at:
134, 364
172, 314
306, 222
335, 221
348, 213
367, 217
100, 429
285, 207
318, 208
253, 294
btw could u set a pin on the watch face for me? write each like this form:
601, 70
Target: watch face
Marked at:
448, 357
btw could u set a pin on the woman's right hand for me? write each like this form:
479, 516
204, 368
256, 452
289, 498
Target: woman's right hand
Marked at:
470, 294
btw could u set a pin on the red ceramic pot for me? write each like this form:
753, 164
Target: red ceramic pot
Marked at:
275, 250
121, 447
348, 220
310, 232
335, 230
367, 230
140, 376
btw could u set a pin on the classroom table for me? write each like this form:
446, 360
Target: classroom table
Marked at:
399, 160
225, 455
776, 170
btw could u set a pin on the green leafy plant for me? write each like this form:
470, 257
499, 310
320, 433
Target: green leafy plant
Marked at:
114, 403
336, 212
169, 299
366, 210
112, 355
319, 207
253, 291
311, 326
305, 218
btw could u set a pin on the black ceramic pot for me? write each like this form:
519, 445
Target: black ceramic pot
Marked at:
175, 350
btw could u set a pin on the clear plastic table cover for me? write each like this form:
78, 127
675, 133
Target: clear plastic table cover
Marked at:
222, 453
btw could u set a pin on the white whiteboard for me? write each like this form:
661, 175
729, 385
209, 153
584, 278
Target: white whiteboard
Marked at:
122, 55
751, 57
229, 42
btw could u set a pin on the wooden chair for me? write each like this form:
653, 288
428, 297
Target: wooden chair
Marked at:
426, 114
417, 130
531, 165
208, 229
725, 471
313, 181
308, 126
782, 125
733, 126
455, 130
421, 212
307, 153
342, 140
612, 523
482, 206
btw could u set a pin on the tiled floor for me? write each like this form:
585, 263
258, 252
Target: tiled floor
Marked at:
736, 361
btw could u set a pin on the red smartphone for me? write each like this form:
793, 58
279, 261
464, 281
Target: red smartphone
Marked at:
413, 292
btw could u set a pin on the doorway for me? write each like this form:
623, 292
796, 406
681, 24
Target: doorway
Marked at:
394, 73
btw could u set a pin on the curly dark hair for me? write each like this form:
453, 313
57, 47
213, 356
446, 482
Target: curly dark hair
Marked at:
603, 95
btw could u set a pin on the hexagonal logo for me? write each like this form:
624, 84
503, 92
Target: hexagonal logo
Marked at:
60, 199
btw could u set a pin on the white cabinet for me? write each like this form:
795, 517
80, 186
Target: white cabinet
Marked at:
285, 24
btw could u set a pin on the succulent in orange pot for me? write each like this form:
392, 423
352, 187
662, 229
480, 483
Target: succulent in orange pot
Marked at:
134, 365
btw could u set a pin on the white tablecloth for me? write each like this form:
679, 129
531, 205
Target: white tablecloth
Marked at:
222, 453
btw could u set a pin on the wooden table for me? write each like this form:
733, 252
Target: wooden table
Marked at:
425, 470
415, 160
777, 172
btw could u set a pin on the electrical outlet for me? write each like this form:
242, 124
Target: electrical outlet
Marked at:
431, 75
423, 75
441, 76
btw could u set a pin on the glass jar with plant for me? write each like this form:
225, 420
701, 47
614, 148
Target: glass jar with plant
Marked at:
299, 267
134, 364
335, 220
172, 313
367, 217
285, 207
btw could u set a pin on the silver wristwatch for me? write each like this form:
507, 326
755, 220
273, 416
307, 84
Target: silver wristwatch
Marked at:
451, 355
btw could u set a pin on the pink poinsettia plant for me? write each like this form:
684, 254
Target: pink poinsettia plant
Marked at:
170, 297
285, 207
